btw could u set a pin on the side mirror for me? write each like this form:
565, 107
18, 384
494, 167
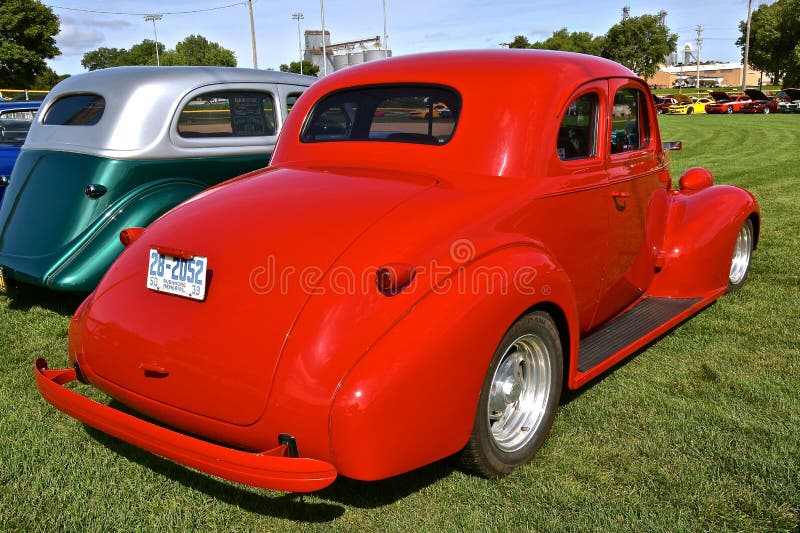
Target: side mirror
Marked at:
672, 145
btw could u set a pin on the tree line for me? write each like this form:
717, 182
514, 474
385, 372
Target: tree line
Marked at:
28, 29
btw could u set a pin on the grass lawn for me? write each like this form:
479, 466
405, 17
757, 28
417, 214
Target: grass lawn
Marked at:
697, 432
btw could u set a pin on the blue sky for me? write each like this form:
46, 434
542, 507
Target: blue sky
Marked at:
413, 25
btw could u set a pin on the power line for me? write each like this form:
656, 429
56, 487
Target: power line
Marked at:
145, 14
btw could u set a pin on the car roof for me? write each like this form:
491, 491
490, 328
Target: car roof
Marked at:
19, 104
504, 92
140, 103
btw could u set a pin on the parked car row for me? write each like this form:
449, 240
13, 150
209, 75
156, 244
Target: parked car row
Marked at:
753, 101
464, 268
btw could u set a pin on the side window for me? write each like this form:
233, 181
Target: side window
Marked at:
291, 98
228, 114
630, 129
577, 137
75, 110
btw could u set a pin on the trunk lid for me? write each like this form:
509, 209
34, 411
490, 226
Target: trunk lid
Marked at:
268, 238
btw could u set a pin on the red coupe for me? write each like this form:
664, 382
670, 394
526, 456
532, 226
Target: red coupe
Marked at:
393, 291
726, 103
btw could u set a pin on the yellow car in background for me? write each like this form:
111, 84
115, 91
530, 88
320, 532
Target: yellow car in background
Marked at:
690, 108
439, 111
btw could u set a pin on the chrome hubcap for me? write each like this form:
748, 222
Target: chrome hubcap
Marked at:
741, 254
519, 393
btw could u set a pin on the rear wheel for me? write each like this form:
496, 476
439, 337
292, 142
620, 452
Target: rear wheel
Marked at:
519, 398
742, 252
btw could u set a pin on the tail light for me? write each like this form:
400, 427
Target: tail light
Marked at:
128, 235
393, 278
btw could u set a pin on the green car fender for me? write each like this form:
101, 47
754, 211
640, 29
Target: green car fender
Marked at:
89, 259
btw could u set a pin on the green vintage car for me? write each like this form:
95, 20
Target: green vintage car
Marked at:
117, 148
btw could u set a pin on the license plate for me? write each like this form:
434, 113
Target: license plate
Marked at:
175, 275
3, 286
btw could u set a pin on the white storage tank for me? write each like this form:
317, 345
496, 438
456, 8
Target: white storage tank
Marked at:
355, 58
372, 55
340, 61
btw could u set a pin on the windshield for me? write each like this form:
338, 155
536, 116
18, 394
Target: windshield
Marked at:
411, 114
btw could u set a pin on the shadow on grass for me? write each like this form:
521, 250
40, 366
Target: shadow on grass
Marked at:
344, 491
26, 297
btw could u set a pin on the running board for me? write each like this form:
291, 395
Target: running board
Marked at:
628, 328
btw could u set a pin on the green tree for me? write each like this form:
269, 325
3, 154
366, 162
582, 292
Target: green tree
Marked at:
27, 39
582, 42
197, 50
47, 79
640, 43
104, 58
775, 40
520, 41
143, 53
309, 68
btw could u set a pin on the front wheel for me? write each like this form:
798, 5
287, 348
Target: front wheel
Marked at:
519, 398
742, 252
690, 111
729, 110
766, 110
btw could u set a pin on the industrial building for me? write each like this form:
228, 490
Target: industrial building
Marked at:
337, 56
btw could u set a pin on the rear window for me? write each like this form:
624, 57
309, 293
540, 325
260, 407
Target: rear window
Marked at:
411, 114
13, 132
75, 110
228, 114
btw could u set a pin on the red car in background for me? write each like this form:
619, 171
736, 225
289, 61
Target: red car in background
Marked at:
663, 102
760, 103
726, 103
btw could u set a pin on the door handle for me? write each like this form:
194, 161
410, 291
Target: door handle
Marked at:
620, 194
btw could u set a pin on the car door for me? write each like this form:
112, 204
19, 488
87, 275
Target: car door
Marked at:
635, 199
570, 215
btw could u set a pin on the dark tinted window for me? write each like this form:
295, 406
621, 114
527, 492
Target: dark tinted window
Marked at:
630, 129
76, 110
577, 137
228, 114
13, 132
422, 114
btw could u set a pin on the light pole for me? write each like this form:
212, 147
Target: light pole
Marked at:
324, 48
298, 17
154, 17
253, 33
385, 36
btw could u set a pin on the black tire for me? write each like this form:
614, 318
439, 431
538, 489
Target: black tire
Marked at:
742, 254
530, 359
766, 110
729, 110
690, 111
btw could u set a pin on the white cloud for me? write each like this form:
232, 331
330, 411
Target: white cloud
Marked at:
76, 38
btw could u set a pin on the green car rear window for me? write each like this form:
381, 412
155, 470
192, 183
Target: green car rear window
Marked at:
75, 110
410, 114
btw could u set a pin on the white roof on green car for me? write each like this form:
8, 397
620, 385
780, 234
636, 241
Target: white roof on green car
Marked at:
142, 105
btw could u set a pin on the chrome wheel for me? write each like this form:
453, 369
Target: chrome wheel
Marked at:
742, 251
519, 393
518, 399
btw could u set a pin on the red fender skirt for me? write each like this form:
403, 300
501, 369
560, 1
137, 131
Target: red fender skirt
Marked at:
270, 469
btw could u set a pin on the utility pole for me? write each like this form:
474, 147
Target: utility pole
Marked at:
298, 17
252, 32
699, 42
324, 48
154, 17
385, 36
747, 45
